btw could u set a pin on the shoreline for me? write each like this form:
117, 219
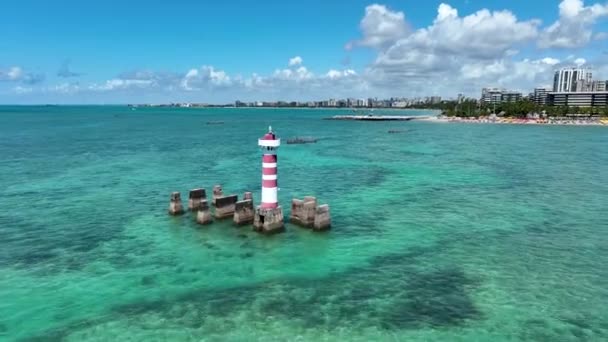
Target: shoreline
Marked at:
510, 121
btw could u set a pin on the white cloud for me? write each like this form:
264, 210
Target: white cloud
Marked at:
453, 54
22, 90
205, 77
580, 61
121, 84
574, 28
300, 73
600, 36
334, 74
17, 74
14, 73
381, 26
295, 61
550, 61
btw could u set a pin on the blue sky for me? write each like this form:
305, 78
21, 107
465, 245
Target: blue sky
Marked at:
143, 51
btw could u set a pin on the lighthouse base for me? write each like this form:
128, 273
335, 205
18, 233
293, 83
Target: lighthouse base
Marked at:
268, 221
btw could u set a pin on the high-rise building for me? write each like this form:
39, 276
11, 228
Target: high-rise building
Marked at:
491, 95
435, 99
540, 96
571, 80
582, 99
510, 96
598, 85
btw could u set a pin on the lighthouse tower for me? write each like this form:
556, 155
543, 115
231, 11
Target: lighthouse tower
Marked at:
269, 214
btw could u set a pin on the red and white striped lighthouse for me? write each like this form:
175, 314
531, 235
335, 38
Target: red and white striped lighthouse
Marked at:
269, 144
268, 216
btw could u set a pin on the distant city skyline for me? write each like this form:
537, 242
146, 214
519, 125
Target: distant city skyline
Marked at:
191, 51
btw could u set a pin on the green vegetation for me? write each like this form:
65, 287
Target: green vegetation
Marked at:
519, 109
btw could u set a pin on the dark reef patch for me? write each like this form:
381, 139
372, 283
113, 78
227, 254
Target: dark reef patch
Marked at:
390, 292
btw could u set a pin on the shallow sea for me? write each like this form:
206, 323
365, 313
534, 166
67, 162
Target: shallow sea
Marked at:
443, 232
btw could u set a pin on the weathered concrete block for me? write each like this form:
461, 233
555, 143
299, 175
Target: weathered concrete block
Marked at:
248, 196
195, 198
243, 212
175, 204
310, 199
268, 221
303, 211
203, 213
224, 206
322, 218
217, 192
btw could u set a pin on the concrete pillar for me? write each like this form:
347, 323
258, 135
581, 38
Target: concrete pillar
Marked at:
268, 220
243, 212
248, 196
303, 211
217, 192
175, 204
322, 218
197, 196
224, 206
297, 211
203, 213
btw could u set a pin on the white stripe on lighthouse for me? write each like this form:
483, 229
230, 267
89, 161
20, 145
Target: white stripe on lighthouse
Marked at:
269, 177
269, 195
269, 165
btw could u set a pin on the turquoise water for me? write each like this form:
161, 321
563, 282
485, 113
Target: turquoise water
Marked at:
446, 232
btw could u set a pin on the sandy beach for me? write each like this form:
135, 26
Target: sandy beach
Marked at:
516, 121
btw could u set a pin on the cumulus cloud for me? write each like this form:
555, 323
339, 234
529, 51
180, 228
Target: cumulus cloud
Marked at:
205, 77
453, 54
574, 28
120, 84
381, 27
334, 74
297, 60
17, 74
580, 61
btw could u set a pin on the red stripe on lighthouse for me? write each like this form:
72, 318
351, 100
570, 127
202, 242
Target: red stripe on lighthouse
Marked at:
269, 158
269, 170
269, 183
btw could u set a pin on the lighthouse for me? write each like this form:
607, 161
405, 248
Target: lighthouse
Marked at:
269, 214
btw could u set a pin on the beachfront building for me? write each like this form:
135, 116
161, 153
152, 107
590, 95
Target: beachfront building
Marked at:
491, 96
580, 99
511, 96
598, 86
540, 96
568, 80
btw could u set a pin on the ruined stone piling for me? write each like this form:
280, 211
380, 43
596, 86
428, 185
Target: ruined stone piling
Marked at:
243, 212
303, 211
268, 221
322, 218
175, 204
203, 213
217, 192
248, 196
306, 213
197, 196
224, 206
